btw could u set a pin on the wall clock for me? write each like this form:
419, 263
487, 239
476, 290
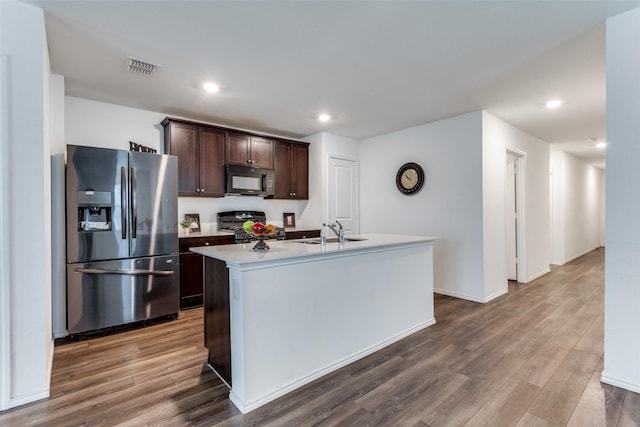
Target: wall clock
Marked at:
410, 178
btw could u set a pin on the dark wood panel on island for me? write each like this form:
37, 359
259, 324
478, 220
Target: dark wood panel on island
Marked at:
217, 322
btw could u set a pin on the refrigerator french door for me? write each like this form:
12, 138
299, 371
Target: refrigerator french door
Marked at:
122, 237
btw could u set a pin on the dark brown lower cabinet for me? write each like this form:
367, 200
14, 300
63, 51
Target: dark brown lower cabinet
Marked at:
217, 322
190, 280
191, 265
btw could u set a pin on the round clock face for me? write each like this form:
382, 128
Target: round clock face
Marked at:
410, 178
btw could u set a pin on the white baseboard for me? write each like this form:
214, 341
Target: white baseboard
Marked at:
471, 298
496, 294
29, 398
245, 407
619, 383
458, 295
32, 397
50, 367
538, 275
579, 255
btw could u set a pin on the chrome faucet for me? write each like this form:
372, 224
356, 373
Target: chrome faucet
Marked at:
339, 232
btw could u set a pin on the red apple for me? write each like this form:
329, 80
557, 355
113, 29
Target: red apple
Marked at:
258, 229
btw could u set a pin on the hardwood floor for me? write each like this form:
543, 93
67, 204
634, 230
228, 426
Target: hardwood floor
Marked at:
530, 358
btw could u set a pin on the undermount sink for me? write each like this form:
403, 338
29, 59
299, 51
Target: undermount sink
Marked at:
330, 240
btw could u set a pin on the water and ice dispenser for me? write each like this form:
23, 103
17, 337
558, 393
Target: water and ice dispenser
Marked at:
94, 210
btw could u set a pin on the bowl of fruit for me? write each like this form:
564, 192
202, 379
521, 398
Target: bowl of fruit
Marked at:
259, 231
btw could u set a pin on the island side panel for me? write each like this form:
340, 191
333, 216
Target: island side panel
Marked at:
217, 331
294, 322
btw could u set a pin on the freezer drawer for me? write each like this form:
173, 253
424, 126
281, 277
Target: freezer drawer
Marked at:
111, 293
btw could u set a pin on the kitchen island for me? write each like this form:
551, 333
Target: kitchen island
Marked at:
278, 319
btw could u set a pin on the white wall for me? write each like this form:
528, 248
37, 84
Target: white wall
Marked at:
622, 269
498, 137
107, 125
577, 207
463, 202
603, 210
449, 206
98, 124
45, 179
58, 224
26, 243
325, 146
313, 211
494, 161
557, 189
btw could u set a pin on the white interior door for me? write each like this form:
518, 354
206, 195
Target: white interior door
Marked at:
511, 216
343, 194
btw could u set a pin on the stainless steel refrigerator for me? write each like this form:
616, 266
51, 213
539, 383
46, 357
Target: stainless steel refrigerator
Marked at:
122, 238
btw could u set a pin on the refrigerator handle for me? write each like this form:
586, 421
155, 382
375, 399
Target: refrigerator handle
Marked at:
125, 272
123, 201
134, 203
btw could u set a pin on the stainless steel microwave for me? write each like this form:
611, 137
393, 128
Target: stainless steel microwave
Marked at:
250, 181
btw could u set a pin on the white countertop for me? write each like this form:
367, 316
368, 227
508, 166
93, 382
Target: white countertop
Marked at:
243, 255
208, 233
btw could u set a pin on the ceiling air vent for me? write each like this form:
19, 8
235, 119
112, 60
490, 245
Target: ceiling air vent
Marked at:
141, 67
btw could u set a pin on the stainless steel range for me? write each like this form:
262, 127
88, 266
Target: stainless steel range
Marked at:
232, 221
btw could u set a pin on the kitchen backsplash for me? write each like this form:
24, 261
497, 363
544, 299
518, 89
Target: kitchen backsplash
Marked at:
208, 208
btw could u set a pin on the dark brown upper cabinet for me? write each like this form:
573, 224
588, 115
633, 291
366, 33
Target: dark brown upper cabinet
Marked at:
203, 150
249, 150
291, 163
201, 157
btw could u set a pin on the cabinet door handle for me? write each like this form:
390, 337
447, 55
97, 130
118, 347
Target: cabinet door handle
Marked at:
206, 243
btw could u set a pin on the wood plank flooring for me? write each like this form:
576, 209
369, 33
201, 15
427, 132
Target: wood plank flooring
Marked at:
530, 358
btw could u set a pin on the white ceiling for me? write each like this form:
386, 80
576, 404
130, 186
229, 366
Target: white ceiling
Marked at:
376, 66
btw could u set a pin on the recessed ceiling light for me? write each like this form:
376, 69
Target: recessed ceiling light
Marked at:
554, 103
324, 117
211, 87
601, 144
